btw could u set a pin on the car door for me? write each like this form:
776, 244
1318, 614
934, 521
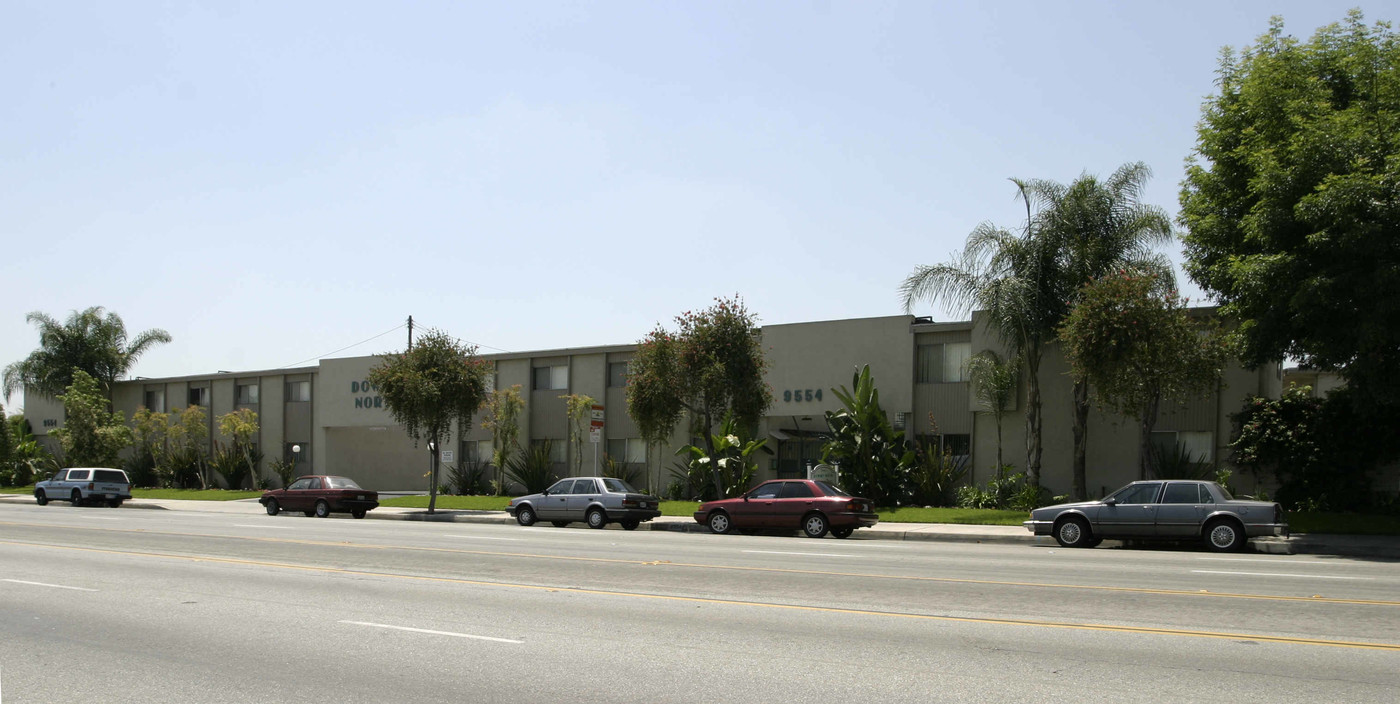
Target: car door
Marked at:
294, 498
794, 500
553, 506
1133, 513
76, 478
53, 488
757, 511
1180, 512
584, 493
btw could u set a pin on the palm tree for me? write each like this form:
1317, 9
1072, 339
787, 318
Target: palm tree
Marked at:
88, 340
995, 381
1016, 279
1101, 227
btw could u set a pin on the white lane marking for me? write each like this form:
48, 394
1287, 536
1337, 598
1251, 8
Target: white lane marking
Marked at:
1290, 563
55, 586
809, 554
435, 633
1277, 574
483, 537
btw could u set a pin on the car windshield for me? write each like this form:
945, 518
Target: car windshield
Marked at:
619, 486
832, 489
341, 483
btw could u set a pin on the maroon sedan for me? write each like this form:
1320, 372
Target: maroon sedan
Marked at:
321, 496
816, 507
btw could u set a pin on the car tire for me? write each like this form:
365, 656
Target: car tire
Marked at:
525, 516
559, 524
1224, 535
273, 508
630, 525
323, 509
720, 522
1073, 532
115, 503
76, 498
596, 518
814, 525
40, 497
357, 513
842, 532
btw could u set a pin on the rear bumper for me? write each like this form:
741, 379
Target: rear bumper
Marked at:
355, 505
632, 514
1257, 530
851, 519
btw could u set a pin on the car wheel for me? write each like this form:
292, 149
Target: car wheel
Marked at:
40, 497
272, 507
596, 518
323, 509
1073, 532
559, 524
358, 513
842, 532
76, 498
525, 516
1224, 536
115, 503
720, 523
814, 525
630, 525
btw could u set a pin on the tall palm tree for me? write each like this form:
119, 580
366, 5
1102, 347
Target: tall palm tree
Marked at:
87, 340
1016, 279
1100, 227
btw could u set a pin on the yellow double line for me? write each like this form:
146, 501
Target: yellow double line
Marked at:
1139, 630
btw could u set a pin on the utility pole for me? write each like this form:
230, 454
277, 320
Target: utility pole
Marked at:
410, 332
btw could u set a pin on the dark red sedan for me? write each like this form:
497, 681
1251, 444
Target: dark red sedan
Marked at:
815, 507
320, 496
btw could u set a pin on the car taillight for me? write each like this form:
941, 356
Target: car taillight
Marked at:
629, 503
91, 485
855, 506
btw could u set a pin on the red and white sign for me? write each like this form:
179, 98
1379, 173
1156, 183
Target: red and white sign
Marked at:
597, 422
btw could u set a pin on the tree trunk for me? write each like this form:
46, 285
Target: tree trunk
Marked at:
432, 474
998, 418
1148, 422
1033, 447
713, 464
1081, 436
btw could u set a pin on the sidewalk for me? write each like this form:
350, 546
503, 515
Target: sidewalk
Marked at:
1369, 546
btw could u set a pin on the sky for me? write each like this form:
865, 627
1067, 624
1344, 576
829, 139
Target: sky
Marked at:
274, 183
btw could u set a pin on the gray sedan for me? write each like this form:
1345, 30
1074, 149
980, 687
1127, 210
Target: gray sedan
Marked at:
1162, 510
597, 501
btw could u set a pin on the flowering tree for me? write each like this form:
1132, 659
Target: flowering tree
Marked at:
711, 367
503, 408
578, 408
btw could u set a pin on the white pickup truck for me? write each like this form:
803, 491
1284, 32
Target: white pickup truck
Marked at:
79, 485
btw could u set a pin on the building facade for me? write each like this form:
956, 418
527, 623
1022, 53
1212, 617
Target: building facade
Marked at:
329, 419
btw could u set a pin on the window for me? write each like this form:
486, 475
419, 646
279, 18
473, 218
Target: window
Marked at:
1186, 445
561, 487
585, 486
796, 490
199, 396
476, 451
315, 483
298, 391
618, 486
617, 374
299, 484
1179, 493
1138, 493
558, 449
300, 457
246, 393
155, 400
945, 363
551, 377
629, 450
767, 491
341, 483
78, 475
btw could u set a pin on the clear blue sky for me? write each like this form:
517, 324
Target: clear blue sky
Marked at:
270, 182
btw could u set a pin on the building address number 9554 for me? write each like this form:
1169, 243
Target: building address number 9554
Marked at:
799, 395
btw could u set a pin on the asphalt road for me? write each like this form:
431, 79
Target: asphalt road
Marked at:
143, 606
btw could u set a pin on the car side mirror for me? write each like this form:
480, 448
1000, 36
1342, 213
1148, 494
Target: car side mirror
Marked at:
1110, 502
746, 498
545, 492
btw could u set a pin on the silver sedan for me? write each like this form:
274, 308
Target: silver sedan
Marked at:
1162, 510
597, 501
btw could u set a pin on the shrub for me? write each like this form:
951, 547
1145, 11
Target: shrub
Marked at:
533, 468
934, 476
468, 478
633, 474
1007, 490
284, 469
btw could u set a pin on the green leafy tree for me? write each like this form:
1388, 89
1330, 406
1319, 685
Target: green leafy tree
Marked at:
1017, 280
503, 408
91, 340
90, 436
1292, 205
711, 367
1101, 227
579, 409
242, 427
184, 461
148, 436
437, 383
724, 462
1137, 345
7, 441
994, 383
869, 452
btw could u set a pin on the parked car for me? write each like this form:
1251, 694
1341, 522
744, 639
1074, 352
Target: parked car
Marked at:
320, 496
1162, 510
84, 484
815, 507
596, 501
